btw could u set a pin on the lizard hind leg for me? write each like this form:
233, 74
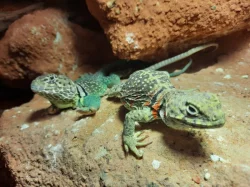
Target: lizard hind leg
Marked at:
89, 104
115, 91
111, 80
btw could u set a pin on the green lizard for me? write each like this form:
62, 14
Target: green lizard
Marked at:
149, 95
85, 93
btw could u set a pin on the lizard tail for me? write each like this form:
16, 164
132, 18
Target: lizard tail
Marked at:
122, 67
177, 73
181, 56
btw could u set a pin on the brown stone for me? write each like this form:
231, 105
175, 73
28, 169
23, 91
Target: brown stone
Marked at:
63, 150
45, 42
147, 30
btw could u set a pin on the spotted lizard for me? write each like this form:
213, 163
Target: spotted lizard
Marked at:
149, 95
85, 93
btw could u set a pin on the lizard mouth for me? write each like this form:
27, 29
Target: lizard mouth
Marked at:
36, 88
202, 124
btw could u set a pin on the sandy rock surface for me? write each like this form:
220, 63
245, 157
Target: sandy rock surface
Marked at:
147, 30
63, 150
45, 42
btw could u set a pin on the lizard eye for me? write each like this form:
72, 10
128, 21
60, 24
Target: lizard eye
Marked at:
192, 110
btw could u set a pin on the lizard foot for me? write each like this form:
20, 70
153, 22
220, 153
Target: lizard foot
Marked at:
131, 142
53, 110
87, 110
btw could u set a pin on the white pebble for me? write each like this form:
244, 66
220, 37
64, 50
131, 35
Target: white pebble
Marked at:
207, 176
24, 126
244, 76
241, 63
216, 158
227, 76
156, 164
219, 70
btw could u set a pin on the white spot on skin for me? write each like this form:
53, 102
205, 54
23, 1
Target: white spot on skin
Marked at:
227, 76
24, 126
156, 164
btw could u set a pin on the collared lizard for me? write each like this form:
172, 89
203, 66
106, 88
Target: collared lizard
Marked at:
85, 93
149, 95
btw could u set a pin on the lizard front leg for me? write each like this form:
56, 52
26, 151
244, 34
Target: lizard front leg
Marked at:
131, 139
89, 104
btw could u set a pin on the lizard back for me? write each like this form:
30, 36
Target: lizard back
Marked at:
145, 88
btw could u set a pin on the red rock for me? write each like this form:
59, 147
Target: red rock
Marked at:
196, 179
63, 150
147, 30
45, 42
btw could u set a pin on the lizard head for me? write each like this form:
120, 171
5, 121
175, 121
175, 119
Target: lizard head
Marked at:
192, 108
58, 89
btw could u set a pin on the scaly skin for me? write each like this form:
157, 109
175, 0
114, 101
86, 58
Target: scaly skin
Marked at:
85, 93
149, 95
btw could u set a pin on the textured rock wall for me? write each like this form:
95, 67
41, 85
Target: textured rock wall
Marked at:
70, 150
46, 42
147, 29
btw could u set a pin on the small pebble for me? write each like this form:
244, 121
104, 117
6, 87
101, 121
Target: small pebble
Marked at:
207, 176
156, 164
196, 179
227, 76
24, 126
244, 76
241, 63
219, 70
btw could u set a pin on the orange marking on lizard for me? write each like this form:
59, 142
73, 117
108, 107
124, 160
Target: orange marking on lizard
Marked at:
147, 103
155, 114
156, 106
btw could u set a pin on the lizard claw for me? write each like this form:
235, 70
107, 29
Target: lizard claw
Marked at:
131, 142
87, 110
52, 110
